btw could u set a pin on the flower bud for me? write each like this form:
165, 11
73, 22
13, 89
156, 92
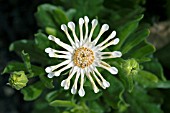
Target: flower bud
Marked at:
130, 67
18, 80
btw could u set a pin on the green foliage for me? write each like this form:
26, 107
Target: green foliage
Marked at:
33, 91
141, 102
139, 72
62, 103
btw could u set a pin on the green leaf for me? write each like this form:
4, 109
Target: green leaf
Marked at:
33, 91
51, 96
146, 78
141, 50
46, 81
155, 67
144, 51
90, 95
127, 29
141, 102
41, 106
44, 17
161, 84
134, 40
113, 95
90, 8
41, 41
18, 66
62, 103
50, 16
95, 107
71, 13
34, 52
59, 16
14, 66
26, 59
163, 54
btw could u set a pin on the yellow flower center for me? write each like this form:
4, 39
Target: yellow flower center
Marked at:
83, 57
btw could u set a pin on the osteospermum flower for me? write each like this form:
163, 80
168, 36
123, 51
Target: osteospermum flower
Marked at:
83, 56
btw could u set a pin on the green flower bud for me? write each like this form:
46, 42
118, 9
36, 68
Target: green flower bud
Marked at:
18, 80
130, 67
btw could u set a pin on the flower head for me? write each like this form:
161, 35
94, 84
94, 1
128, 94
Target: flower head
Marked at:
83, 56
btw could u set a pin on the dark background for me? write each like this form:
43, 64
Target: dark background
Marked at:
17, 22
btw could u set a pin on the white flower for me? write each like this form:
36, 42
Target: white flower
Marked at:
83, 56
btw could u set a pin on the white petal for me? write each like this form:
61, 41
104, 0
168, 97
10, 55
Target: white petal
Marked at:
111, 36
52, 54
106, 83
113, 42
63, 83
48, 50
81, 21
60, 56
98, 81
113, 70
94, 24
60, 43
96, 90
116, 54
50, 75
116, 41
86, 19
81, 92
64, 27
57, 74
52, 68
73, 90
72, 72
107, 55
71, 25
104, 28
48, 70
66, 87
50, 37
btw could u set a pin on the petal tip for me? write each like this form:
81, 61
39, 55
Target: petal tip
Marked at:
48, 70
50, 75
86, 19
81, 21
73, 90
71, 25
63, 27
81, 92
113, 70
116, 41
